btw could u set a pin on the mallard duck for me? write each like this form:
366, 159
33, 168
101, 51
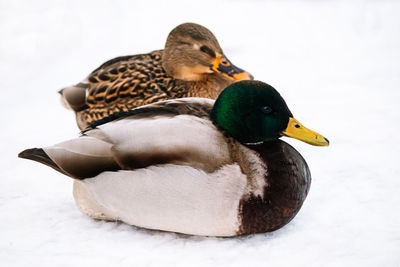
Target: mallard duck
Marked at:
191, 65
191, 165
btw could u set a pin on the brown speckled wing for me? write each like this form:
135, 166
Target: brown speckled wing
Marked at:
175, 107
124, 83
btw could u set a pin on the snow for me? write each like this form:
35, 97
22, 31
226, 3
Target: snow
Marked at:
335, 62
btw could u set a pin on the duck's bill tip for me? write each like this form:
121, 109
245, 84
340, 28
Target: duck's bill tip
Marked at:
243, 76
298, 131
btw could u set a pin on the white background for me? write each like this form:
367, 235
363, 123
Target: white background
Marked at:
337, 64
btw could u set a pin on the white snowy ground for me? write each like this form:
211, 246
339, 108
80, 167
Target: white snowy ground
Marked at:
337, 64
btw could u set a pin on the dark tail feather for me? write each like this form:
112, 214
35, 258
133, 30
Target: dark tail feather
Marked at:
38, 154
75, 96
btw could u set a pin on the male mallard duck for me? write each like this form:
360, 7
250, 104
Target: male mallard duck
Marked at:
191, 166
191, 65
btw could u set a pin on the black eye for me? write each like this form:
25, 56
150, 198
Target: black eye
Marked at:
183, 43
266, 110
207, 50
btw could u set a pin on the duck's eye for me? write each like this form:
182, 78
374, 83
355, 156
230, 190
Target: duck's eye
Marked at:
266, 109
183, 43
207, 50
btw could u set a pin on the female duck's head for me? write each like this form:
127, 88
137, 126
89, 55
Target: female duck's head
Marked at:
192, 52
253, 112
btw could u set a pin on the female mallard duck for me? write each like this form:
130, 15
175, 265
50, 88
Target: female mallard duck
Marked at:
192, 167
191, 65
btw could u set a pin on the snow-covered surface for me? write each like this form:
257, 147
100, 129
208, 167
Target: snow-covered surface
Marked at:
337, 64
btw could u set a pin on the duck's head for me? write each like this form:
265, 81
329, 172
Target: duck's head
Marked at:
253, 112
192, 52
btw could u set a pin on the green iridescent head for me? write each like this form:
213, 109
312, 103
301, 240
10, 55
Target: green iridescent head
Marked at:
253, 112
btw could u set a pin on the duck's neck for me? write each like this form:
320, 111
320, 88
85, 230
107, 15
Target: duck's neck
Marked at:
211, 86
288, 181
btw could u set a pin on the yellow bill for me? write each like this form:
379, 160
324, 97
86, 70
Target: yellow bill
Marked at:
296, 130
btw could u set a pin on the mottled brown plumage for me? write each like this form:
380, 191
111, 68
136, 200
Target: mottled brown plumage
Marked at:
191, 65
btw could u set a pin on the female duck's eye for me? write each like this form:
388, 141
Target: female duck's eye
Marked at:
266, 109
207, 50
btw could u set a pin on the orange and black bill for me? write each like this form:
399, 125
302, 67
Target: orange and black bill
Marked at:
224, 66
298, 131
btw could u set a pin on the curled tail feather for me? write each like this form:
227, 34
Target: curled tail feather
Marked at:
38, 154
80, 158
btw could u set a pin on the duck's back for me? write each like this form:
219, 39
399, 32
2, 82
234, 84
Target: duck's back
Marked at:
124, 83
174, 131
